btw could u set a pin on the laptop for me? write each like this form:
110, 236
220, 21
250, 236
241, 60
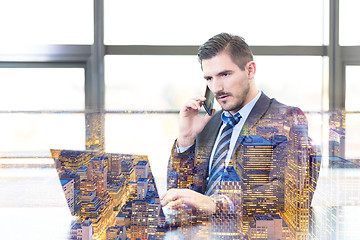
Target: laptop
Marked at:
115, 193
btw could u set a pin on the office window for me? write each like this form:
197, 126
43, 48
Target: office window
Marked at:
151, 82
147, 134
167, 81
164, 83
43, 108
295, 81
278, 22
40, 132
352, 142
349, 15
316, 127
352, 88
37, 109
46, 22
42, 89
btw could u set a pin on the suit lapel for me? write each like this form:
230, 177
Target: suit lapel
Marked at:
258, 111
206, 139
204, 144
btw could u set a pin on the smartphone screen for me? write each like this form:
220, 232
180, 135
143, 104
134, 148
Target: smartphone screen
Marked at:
209, 102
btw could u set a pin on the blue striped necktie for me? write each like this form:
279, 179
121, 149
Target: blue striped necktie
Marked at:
218, 163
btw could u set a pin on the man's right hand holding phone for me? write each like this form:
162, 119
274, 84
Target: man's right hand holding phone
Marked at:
191, 123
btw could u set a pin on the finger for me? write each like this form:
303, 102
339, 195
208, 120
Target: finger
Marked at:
185, 201
207, 117
199, 99
196, 106
177, 204
163, 195
169, 196
165, 199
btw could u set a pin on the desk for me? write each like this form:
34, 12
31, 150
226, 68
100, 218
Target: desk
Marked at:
33, 206
32, 202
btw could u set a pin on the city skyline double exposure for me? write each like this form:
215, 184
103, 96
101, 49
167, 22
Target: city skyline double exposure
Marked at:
336, 196
114, 195
271, 180
271, 187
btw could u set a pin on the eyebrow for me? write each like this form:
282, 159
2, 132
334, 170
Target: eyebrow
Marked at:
224, 72
220, 73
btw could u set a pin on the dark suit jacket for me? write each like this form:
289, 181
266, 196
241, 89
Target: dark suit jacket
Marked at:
279, 129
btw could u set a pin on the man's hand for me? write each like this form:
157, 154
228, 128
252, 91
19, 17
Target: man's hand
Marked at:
180, 198
191, 124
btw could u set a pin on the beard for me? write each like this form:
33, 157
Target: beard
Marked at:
236, 101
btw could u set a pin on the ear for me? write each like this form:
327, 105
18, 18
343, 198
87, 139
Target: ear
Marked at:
251, 69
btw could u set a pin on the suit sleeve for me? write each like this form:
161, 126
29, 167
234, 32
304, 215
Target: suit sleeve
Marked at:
180, 168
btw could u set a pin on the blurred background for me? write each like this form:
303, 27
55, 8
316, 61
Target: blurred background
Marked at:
112, 75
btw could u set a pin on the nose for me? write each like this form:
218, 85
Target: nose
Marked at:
216, 85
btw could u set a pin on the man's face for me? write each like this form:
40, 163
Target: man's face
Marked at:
230, 84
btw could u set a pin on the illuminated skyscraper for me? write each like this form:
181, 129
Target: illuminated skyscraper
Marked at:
72, 160
97, 172
91, 207
95, 131
70, 174
68, 187
127, 169
270, 227
82, 231
96, 202
82, 171
142, 188
139, 220
226, 222
182, 172
337, 135
296, 209
116, 233
119, 166
154, 209
256, 169
141, 170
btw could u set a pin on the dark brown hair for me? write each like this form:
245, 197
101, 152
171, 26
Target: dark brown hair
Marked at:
235, 45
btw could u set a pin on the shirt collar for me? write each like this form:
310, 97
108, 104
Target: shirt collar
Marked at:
245, 110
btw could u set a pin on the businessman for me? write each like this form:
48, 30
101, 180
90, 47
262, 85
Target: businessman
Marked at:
260, 141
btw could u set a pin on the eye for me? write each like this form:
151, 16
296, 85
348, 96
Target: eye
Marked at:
225, 74
207, 78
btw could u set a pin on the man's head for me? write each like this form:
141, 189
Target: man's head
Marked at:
229, 70
236, 46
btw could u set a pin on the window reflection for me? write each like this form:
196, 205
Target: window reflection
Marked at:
42, 89
165, 24
44, 22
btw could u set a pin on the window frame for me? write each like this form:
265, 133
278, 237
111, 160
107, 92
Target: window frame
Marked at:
91, 58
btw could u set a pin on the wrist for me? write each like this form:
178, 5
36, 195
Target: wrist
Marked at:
219, 202
185, 142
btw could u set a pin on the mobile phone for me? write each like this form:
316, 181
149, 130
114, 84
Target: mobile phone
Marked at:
209, 102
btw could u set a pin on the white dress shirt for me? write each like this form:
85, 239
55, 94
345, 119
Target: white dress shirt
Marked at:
244, 112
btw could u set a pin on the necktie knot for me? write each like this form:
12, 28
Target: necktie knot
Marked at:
231, 120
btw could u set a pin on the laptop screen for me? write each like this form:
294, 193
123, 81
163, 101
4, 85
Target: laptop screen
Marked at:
110, 194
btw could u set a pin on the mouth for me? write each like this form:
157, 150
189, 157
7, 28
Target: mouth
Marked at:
222, 97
